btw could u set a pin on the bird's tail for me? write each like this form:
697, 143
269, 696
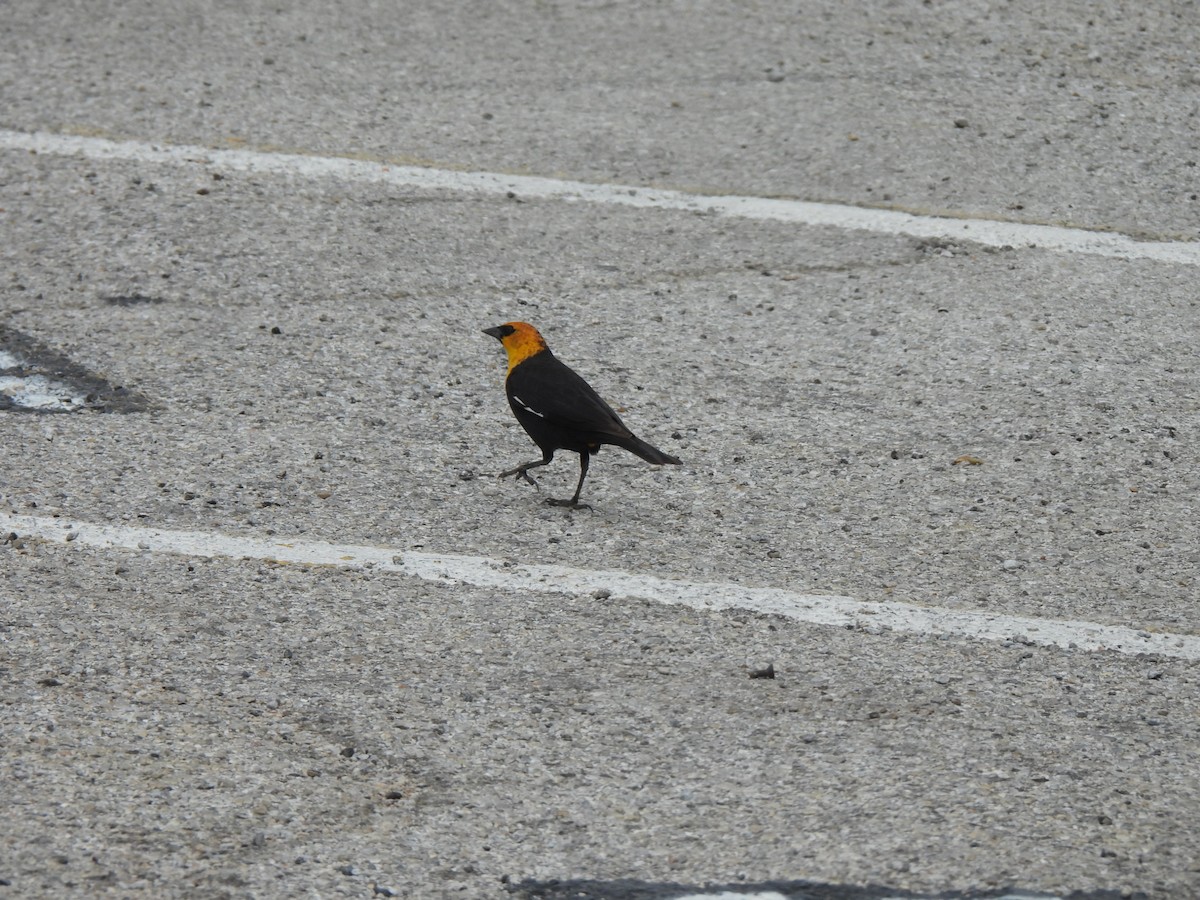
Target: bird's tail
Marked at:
648, 452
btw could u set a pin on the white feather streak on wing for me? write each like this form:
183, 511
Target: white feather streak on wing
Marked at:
527, 407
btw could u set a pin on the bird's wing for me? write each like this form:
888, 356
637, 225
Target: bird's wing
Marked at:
553, 391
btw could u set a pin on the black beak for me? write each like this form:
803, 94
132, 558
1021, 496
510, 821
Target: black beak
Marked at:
494, 332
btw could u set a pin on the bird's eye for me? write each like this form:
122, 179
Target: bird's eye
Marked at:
506, 330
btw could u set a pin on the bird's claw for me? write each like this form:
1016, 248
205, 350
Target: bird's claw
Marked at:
520, 473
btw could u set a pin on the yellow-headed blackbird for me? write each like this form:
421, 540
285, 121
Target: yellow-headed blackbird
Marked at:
559, 409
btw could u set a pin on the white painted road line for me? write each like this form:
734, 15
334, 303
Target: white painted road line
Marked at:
35, 392
980, 231
483, 572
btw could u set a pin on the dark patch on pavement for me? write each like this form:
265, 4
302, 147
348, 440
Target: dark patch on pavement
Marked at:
631, 889
132, 300
33, 359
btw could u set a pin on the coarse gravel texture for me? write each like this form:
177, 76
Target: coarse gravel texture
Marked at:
1007, 431
284, 730
819, 386
1072, 113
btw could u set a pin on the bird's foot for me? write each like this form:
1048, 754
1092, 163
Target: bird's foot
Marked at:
520, 473
569, 504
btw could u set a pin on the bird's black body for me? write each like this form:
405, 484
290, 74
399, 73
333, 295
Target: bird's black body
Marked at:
561, 411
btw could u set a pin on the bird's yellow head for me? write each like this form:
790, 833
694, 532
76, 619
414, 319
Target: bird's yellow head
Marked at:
520, 340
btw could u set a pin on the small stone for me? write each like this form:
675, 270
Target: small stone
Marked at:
1010, 565
601, 594
961, 123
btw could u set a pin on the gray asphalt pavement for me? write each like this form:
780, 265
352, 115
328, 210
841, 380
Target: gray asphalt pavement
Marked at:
301, 356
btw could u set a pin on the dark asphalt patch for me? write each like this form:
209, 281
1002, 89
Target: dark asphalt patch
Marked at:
34, 378
132, 300
631, 889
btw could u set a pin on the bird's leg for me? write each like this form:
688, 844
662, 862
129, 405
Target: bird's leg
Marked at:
522, 471
574, 503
